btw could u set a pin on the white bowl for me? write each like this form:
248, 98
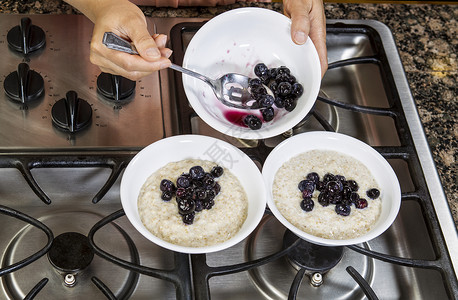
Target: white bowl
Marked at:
180, 147
234, 42
378, 166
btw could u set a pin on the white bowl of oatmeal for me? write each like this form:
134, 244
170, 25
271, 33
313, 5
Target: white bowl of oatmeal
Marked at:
331, 153
236, 41
236, 211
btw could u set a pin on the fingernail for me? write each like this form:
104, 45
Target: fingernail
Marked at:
300, 37
153, 52
168, 53
165, 65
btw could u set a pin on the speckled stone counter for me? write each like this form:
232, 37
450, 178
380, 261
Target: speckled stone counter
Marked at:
426, 39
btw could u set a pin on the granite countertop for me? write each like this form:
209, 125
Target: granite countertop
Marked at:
425, 36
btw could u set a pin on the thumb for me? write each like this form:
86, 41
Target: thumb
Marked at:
145, 44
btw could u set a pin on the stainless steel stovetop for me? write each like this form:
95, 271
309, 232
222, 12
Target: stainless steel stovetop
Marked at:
69, 181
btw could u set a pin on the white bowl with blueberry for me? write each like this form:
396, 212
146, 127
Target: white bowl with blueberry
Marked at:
158, 193
255, 42
331, 189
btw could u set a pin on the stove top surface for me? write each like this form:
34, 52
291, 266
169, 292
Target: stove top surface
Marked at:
368, 99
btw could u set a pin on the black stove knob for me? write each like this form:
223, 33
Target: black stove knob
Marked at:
24, 84
71, 113
26, 37
115, 87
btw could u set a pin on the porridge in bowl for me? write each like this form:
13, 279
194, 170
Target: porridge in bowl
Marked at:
207, 205
327, 194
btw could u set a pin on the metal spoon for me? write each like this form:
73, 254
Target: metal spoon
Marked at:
231, 89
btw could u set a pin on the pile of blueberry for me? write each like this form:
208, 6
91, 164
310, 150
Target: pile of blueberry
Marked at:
284, 86
333, 189
194, 191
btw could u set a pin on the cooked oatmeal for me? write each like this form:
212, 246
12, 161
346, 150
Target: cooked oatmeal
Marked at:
323, 221
210, 227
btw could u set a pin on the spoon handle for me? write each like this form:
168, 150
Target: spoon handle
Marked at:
192, 73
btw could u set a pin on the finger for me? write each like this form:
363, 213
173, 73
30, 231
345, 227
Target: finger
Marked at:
145, 44
129, 66
318, 34
300, 22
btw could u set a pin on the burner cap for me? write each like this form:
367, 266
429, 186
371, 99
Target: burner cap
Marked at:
70, 252
312, 257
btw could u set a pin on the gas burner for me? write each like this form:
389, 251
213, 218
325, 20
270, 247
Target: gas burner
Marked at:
325, 272
68, 274
26, 37
312, 257
114, 87
24, 85
70, 253
71, 113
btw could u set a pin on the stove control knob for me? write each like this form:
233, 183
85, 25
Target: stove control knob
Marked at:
24, 84
26, 37
71, 113
114, 87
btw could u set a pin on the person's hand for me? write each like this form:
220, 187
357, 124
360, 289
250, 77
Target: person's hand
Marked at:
127, 21
308, 19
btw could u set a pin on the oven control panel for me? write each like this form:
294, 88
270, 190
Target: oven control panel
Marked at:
54, 98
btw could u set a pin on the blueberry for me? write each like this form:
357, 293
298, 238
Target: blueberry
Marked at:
307, 204
335, 199
261, 69
329, 177
199, 206
306, 185
297, 90
254, 82
266, 100
307, 194
373, 193
283, 70
197, 172
289, 104
253, 122
166, 195
284, 88
181, 193
201, 194
217, 171
186, 206
188, 219
320, 186
273, 86
343, 210
346, 193
208, 204
341, 178
208, 181
217, 188
361, 203
257, 92
211, 194
323, 199
166, 185
183, 181
354, 197
283, 77
313, 176
268, 114
334, 187
353, 185
279, 102
273, 72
